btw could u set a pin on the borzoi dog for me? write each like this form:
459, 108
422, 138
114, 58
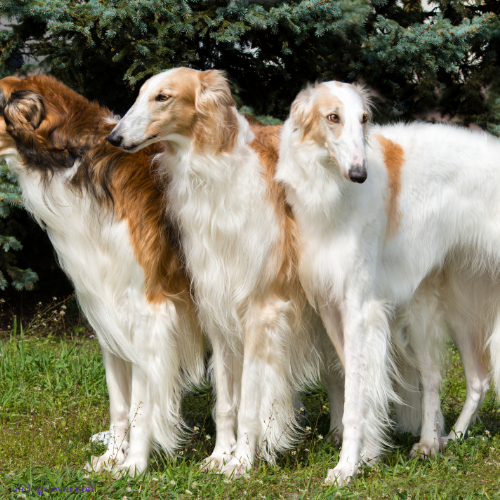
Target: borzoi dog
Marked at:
107, 221
240, 243
380, 210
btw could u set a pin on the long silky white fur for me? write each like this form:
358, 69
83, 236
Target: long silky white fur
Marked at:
450, 218
95, 251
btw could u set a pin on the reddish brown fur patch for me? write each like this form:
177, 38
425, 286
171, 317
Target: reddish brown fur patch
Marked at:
339, 84
6, 141
286, 285
394, 160
74, 126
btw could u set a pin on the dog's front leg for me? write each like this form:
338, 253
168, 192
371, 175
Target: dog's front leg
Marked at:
118, 377
140, 426
367, 383
227, 387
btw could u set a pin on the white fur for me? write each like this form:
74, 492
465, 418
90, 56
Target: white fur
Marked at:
450, 216
231, 239
232, 242
151, 352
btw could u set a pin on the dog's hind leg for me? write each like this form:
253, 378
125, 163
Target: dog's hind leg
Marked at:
334, 383
477, 379
427, 333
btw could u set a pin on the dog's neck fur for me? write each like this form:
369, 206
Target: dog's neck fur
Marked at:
228, 224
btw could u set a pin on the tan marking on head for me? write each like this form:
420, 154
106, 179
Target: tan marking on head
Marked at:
310, 109
394, 160
339, 84
200, 108
179, 115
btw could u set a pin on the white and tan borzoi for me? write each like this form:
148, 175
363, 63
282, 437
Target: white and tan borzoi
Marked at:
241, 250
106, 219
401, 220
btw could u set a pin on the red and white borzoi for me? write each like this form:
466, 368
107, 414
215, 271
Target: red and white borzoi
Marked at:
241, 250
397, 219
107, 221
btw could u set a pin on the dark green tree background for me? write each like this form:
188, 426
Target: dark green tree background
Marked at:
442, 59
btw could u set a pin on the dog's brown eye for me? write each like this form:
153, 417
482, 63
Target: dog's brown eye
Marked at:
333, 118
365, 118
162, 97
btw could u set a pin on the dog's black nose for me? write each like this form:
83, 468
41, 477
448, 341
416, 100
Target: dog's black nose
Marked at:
358, 174
115, 139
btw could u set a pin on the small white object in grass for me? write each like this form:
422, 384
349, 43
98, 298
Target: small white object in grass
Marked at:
207, 436
320, 437
195, 428
194, 484
128, 488
189, 492
100, 437
172, 482
154, 478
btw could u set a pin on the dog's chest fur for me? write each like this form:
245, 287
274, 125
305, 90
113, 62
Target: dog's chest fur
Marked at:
229, 232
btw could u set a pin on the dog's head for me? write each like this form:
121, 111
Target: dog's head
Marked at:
180, 102
45, 121
334, 115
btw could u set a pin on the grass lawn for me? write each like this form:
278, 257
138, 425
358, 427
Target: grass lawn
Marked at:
53, 397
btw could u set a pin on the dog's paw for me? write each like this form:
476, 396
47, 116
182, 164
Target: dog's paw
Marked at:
130, 468
340, 476
215, 462
108, 461
427, 448
235, 468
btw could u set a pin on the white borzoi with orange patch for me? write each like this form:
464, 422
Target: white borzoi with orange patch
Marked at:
240, 243
393, 220
106, 219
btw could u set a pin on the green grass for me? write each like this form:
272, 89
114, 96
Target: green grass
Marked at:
53, 397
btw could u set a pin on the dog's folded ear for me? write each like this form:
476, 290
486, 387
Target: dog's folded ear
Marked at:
214, 91
301, 113
217, 123
24, 109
